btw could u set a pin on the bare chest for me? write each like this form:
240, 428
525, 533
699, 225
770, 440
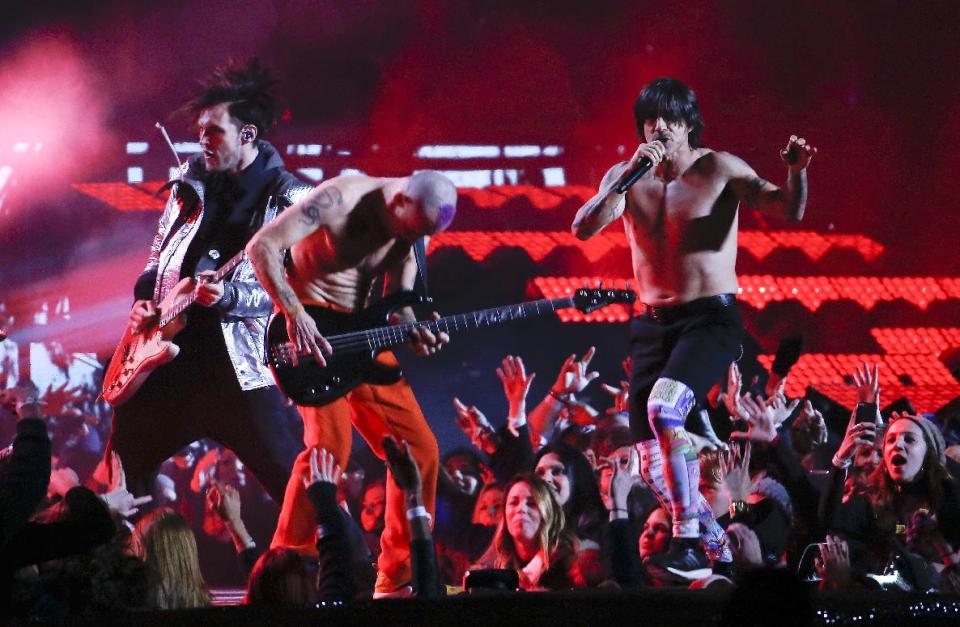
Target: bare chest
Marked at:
332, 250
659, 207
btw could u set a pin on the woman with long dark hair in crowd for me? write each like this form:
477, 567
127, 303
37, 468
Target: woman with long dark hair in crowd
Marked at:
908, 512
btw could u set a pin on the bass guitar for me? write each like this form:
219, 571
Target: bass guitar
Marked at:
139, 354
357, 338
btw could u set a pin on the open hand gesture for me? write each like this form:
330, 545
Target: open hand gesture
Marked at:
868, 383
734, 470
763, 419
323, 468
516, 383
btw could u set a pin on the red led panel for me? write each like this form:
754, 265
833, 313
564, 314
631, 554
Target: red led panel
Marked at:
121, 196
543, 198
486, 198
916, 341
758, 243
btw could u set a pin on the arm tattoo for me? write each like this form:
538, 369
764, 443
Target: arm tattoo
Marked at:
753, 192
327, 198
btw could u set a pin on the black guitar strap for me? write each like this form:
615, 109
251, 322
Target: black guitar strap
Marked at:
420, 252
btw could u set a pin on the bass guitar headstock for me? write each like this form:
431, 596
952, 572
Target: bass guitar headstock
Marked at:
588, 300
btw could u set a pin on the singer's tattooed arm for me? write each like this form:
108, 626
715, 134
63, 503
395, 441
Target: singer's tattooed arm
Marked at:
787, 202
603, 208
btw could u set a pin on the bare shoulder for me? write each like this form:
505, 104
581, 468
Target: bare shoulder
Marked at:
731, 165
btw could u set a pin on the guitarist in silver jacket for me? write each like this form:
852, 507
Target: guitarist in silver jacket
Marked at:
217, 386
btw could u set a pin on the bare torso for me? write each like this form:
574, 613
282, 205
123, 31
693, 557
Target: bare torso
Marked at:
338, 263
682, 232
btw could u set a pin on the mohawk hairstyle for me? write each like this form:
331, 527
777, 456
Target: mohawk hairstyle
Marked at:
249, 90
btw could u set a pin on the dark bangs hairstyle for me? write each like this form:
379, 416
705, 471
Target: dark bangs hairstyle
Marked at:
249, 90
672, 100
584, 510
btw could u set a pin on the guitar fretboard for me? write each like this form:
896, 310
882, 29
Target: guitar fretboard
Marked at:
394, 335
180, 307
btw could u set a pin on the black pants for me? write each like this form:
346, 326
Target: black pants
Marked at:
693, 343
197, 396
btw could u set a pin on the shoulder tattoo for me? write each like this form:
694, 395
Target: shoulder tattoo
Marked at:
753, 191
327, 198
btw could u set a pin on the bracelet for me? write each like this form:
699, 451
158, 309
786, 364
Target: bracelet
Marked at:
559, 397
418, 512
842, 464
737, 507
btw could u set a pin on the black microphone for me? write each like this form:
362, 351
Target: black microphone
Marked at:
643, 166
631, 177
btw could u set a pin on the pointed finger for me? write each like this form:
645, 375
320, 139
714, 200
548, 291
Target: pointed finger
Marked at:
588, 356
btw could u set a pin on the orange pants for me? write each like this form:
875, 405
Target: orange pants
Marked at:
375, 410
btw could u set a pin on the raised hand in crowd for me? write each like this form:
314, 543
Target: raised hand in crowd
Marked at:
858, 434
731, 395
63, 397
868, 384
323, 468
516, 386
763, 419
811, 420
224, 501
833, 565
117, 497
580, 412
574, 375
864, 432
745, 546
621, 397
62, 480
734, 472
476, 427
403, 468
624, 472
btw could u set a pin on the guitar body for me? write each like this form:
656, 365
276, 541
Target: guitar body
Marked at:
358, 337
308, 383
139, 354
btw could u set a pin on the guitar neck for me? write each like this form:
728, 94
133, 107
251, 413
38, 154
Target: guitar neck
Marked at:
181, 306
389, 336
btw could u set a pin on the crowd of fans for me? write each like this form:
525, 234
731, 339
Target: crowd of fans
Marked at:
549, 500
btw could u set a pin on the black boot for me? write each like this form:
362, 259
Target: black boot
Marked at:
685, 560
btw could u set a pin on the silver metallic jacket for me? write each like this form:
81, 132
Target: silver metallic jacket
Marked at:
246, 306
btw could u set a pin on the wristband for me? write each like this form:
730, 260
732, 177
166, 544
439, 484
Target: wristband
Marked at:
418, 512
842, 464
563, 398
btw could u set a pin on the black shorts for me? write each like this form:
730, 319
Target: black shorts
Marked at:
693, 343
